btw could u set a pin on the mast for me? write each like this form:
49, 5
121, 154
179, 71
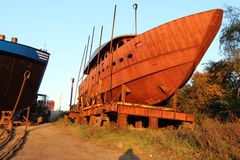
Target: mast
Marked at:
90, 53
114, 15
98, 58
85, 66
90, 50
135, 6
79, 73
86, 54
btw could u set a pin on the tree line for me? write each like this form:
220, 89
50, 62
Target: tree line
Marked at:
215, 91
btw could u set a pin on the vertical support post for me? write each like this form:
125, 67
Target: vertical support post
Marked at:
125, 90
122, 120
138, 123
98, 93
70, 105
92, 120
153, 123
123, 96
175, 100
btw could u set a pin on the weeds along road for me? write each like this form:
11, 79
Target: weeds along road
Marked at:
53, 142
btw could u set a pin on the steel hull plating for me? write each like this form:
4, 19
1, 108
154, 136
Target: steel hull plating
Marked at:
163, 60
13, 65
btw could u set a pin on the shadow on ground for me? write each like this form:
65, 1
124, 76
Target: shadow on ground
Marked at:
129, 155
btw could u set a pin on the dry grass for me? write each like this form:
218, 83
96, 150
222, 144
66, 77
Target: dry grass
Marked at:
208, 140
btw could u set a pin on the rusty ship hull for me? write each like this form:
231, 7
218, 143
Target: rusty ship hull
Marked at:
16, 61
152, 65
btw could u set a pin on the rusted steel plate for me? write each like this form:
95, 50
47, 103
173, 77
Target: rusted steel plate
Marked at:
162, 60
135, 110
146, 112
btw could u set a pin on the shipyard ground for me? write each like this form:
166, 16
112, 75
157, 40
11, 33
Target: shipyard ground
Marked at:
54, 142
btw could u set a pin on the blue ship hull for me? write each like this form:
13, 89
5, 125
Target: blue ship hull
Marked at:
15, 60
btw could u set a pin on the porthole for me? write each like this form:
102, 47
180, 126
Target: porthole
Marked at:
129, 55
120, 59
103, 70
113, 63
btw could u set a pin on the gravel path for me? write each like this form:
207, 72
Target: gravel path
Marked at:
53, 142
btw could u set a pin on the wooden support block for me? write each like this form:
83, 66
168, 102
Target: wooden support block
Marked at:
77, 120
83, 121
92, 120
103, 120
106, 122
138, 123
98, 121
122, 120
153, 123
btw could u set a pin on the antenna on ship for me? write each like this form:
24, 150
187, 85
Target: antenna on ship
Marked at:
135, 6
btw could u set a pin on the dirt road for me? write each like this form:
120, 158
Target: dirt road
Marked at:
53, 142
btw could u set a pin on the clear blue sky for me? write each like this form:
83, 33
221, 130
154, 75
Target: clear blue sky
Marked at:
62, 27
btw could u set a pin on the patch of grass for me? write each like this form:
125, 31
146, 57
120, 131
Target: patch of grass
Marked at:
208, 140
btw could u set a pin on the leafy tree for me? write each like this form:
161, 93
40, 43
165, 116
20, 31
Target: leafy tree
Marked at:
202, 97
230, 47
230, 34
223, 74
230, 38
216, 91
